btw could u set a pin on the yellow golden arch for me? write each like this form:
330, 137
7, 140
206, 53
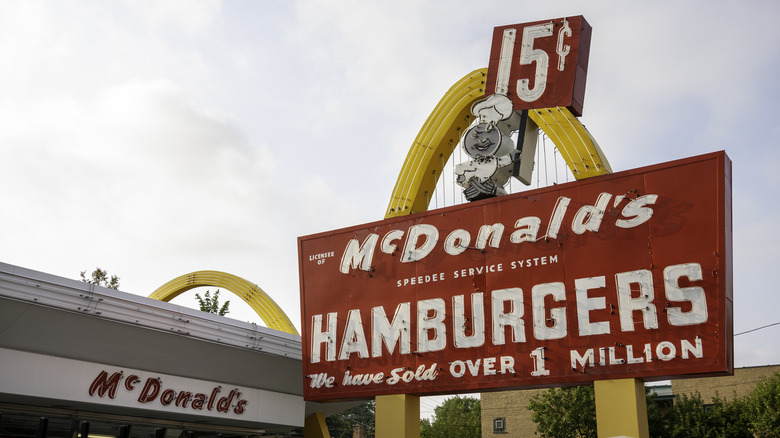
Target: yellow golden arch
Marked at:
270, 312
442, 130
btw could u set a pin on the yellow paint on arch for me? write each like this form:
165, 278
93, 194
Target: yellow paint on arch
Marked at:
434, 145
270, 312
578, 148
452, 115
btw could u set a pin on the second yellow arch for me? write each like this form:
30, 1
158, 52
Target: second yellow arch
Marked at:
270, 312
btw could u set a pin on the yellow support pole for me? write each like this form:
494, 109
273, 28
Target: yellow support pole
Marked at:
397, 416
315, 427
621, 408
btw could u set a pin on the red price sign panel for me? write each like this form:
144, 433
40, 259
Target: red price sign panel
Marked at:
625, 275
541, 64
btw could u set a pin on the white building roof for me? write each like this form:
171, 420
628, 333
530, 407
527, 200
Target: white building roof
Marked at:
69, 319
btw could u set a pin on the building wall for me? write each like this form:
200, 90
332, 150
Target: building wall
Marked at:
740, 384
513, 405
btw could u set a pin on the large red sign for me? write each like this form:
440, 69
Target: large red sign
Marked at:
623, 275
541, 64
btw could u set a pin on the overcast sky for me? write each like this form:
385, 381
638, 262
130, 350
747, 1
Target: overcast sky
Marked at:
155, 138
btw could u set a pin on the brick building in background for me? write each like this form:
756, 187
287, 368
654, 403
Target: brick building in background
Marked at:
506, 413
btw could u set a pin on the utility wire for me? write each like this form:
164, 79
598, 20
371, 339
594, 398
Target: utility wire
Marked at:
758, 328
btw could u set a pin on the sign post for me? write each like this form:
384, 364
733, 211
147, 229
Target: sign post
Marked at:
397, 416
621, 408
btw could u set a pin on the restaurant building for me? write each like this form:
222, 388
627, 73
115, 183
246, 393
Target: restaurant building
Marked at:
74, 355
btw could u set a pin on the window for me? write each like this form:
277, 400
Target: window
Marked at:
499, 425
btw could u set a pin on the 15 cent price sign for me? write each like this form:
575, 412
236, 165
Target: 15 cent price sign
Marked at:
623, 275
541, 64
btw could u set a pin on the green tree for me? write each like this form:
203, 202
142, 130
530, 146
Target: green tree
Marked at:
565, 412
656, 415
571, 413
342, 425
211, 304
100, 277
691, 417
763, 406
686, 418
729, 419
426, 429
457, 417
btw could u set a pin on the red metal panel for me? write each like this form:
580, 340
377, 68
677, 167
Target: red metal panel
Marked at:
564, 87
617, 232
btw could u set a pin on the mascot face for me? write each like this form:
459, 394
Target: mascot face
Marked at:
490, 149
481, 140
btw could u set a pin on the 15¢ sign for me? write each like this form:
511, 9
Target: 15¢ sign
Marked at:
541, 64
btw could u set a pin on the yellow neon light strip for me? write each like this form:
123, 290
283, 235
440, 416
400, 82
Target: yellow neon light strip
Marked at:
434, 144
578, 148
270, 312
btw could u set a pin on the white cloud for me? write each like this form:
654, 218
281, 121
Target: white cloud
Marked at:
192, 16
138, 169
157, 138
